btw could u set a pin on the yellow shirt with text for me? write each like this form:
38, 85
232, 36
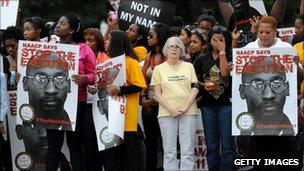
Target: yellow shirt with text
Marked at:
175, 84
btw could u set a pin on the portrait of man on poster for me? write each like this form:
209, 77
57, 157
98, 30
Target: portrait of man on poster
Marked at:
36, 145
265, 88
107, 78
47, 83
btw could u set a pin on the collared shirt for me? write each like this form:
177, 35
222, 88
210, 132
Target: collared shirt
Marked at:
4, 97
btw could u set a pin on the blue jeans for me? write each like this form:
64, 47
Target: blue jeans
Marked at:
217, 129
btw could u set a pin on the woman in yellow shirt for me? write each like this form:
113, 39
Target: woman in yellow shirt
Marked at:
175, 86
132, 150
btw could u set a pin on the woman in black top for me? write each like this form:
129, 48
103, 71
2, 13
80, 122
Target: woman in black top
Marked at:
213, 74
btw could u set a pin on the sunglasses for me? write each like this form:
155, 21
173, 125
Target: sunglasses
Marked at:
200, 32
219, 29
188, 28
150, 36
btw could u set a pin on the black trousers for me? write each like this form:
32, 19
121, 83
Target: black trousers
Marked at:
1, 153
130, 156
5, 153
92, 158
74, 142
153, 136
276, 147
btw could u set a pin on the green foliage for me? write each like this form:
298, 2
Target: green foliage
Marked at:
91, 11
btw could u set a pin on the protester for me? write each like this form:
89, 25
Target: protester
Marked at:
299, 30
267, 30
175, 86
299, 36
34, 29
69, 29
11, 37
138, 38
176, 25
157, 38
213, 74
94, 40
269, 146
132, 150
198, 43
206, 21
185, 36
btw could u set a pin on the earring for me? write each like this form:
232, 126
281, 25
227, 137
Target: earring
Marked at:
71, 32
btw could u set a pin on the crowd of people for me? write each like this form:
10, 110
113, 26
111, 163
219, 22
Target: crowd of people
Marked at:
172, 72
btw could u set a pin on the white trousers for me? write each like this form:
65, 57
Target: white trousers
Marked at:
184, 126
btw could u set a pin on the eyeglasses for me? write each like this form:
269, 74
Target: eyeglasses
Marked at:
174, 47
41, 81
257, 87
150, 36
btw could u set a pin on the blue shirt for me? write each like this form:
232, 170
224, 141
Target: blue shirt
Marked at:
4, 96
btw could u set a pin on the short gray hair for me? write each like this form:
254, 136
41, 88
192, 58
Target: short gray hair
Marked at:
174, 40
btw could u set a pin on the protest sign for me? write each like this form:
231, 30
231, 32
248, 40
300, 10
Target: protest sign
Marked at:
258, 5
264, 92
200, 150
145, 13
8, 13
109, 112
286, 34
29, 144
114, 4
45, 90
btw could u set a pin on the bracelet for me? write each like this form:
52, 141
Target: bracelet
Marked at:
222, 53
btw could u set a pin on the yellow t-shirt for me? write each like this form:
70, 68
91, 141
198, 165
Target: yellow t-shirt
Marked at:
141, 52
300, 52
134, 77
175, 85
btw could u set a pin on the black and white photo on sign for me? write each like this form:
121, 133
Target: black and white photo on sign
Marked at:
29, 144
108, 112
45, 89
8, 13
264, 100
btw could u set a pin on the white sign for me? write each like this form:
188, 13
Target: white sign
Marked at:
286, 34
258, 5
8, 13
264, 92
29, 144
45, 87
109, 112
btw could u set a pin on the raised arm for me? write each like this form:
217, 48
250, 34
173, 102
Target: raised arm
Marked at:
226, 9
302, 7
278, 10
